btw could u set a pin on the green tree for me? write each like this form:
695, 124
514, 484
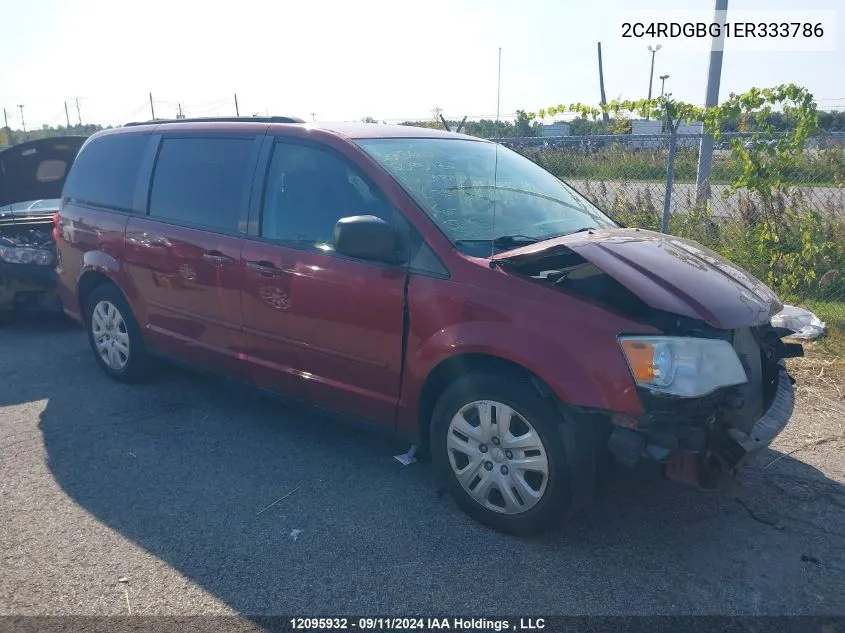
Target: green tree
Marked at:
524, 126
16, 137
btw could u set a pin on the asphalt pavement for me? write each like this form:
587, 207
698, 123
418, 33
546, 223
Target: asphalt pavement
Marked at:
207, 498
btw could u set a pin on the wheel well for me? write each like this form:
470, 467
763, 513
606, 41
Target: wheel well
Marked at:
87, 284
449, 370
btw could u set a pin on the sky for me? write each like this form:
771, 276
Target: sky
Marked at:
343, 60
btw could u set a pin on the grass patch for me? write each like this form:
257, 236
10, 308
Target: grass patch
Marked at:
821, 372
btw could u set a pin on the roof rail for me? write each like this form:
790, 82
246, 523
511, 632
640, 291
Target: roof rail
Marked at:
224, 119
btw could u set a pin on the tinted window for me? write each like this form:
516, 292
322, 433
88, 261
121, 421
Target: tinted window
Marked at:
202, 181
309, 190
106, 170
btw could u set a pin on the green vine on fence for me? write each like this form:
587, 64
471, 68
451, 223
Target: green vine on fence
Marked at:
764, 163
792, 243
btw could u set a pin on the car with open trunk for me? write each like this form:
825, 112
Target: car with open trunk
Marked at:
32, 175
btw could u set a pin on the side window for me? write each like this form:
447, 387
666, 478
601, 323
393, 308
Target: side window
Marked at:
309, 189
202, 181
106, 170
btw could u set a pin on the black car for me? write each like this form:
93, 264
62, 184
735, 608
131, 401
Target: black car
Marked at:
31, 179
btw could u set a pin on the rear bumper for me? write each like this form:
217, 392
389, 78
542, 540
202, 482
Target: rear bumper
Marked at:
29, 287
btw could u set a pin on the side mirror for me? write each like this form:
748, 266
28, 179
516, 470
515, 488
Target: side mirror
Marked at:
366, 237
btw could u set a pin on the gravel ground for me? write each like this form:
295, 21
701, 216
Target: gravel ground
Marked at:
169, 485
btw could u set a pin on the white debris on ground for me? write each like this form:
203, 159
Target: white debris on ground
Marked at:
406, 459
294, 533
806, 325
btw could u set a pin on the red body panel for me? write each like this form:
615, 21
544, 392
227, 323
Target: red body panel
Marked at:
190, 282
568, 343
332, 325
90, 240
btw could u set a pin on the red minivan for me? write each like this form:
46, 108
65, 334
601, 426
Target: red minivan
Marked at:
436, 284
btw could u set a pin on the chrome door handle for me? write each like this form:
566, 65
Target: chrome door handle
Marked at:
264, 268
216, 258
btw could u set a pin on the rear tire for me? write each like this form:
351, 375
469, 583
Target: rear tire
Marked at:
498, 450
114, 335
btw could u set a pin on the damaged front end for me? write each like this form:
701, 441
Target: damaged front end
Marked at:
717, 432
27, 265
713, 385
32, 176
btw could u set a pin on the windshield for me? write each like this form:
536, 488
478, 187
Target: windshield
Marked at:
480, 199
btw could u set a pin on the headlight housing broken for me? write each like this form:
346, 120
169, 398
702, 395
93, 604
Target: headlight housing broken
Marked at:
682, 366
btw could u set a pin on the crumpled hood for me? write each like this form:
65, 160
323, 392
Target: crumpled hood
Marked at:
668, 273
37, 170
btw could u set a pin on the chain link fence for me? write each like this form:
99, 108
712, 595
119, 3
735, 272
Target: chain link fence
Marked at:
795, 241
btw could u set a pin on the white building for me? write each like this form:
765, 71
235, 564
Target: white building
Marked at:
558, 128
694, 127
645, 133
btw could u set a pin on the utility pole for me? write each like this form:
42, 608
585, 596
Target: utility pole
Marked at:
604, 115
314, 117
78, 113
237, 111
23, 123
5, 118
498, 91
663, 79
711, 99
180, 115
152, 108
653, 50
67, 116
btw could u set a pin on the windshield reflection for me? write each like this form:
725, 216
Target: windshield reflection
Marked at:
483, 196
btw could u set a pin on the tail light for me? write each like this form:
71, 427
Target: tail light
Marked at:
57, 218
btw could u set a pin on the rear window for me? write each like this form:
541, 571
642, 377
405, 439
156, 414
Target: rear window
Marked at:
106, 170
202, 181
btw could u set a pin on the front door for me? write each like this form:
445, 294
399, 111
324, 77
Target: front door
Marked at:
326, 326
184, 257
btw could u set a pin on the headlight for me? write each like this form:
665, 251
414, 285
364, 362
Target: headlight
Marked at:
682, 366
24, 255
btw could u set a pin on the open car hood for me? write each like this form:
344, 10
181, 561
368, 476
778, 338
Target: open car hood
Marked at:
667, 273
36, 170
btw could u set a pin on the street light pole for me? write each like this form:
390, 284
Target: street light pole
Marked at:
711, 99
653, 50
23, 123
663, 79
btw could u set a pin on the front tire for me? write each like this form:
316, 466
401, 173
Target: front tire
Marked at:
497, 448
114, 335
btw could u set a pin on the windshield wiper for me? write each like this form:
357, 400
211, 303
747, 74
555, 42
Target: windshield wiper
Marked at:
514, 240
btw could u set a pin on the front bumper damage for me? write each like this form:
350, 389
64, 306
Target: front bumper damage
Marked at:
698, 438
769, 426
